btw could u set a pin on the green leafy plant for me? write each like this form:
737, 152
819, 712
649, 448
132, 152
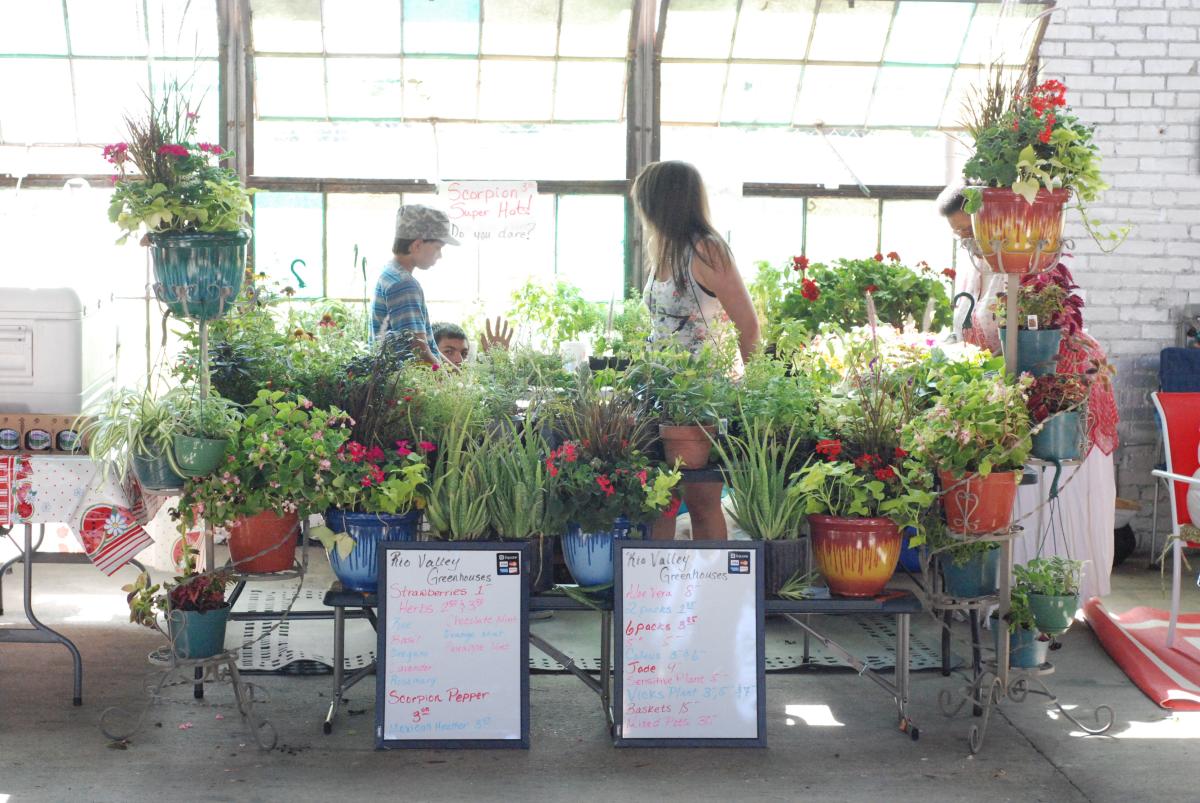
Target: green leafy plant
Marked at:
1049, 297
1020, 615
458, 490
180, 185
214, 417
978, 425
553, 314
770, 393
624, 333
757, 467
132, 422
1054, 576
518, 477
191, 591
1051, 394
687, 388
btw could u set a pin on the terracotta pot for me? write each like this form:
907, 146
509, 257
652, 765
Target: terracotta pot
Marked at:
856, 556
271, 535
782, 558
690, 443
976, 506
1016, 236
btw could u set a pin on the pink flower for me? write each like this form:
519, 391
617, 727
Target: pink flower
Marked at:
116, 154
325, 465
374, 454
173, 150
402, 448
426, 446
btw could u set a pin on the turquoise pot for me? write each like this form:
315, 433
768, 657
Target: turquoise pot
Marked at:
1037, 350
1053, 614
978, 577
155, 473
1059, 438
1025, 651
198, 275
198, 634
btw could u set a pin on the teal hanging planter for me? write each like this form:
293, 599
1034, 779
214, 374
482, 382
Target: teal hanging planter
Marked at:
198, 457
198, 275
155, 472
1053, 614
1037, 350
1059, 438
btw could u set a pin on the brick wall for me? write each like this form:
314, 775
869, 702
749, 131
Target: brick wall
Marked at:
1132, 68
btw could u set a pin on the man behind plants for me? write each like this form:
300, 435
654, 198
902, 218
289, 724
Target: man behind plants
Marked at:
399, 310
452, 343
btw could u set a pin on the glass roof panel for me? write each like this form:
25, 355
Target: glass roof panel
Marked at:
520, 27
35, 95
344, 149
595, 28
364, 26
778, 29
365, 88
447, 26
835, 95
691, 92
286, 26
183, 28
928, 33
909, 96
841, 227
1002, 34
115, 28
105, 91
590, 90
851, 32
699, 29
519, 152
760, 93
516, 90
32, 26
445, 88
289, 87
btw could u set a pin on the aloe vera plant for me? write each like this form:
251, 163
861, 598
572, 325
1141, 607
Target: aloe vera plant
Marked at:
459, 491
757, 465
517, 476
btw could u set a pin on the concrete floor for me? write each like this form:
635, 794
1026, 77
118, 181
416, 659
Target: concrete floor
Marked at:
51, 751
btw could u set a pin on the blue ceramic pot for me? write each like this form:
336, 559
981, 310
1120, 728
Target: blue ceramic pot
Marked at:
1024, 649
1037, 350
357, 571
1059, 438
978, 577
198, 634
589, 556
198, 275
910, 556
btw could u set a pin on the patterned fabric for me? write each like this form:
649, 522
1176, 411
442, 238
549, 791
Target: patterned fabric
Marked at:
400, 306
71, 490
416, 222
1076, 355
691, 317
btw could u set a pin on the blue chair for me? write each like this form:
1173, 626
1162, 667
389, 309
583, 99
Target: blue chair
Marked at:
1178, 372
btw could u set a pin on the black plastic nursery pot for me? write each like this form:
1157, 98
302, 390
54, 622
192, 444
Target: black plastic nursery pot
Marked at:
782, 558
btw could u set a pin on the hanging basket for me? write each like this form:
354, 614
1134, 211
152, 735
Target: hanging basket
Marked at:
1015, 236
198, 275
1059, 437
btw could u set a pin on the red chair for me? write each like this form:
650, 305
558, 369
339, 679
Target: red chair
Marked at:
1179, 417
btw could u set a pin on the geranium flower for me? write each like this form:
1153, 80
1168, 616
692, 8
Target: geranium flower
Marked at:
605, 485
550, 467
568, 452
173, 150
641, 475
402, 449
949, 273
809, 289
899, 453
884, 474
866, 461
426, 446
374, 454
878, 257
892, 255
673, 508
116, 154
830, 448
871, 288
800, 263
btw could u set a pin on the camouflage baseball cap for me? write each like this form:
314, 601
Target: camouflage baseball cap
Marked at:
416, 222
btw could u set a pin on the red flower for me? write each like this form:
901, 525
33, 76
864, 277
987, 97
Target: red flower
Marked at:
215, 150
357, 451
871, 288
408, 398
426, 446
800, 263
374, 455
809, 289
116, 154
377, 474
553, 469
892, 255
949, 273
899, 453
606, 485
402, 449
641, 475
24, 510
886, 473
878, 257
173, 150
672, 508
866, 461
830, 448
366, 481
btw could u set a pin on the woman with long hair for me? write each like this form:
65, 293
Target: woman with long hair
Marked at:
692, 289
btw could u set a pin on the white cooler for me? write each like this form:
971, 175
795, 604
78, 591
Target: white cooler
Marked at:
56, 354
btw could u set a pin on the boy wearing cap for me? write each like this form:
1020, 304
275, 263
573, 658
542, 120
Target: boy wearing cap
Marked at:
399, 309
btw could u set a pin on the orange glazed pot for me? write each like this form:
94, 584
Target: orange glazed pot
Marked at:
264, 543
1016, 236
976, 506
856, 556
691, 443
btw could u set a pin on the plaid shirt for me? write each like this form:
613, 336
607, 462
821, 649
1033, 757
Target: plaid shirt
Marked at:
400, 306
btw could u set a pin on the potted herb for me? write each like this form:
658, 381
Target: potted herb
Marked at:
1052, 585
1055, 405
517, 507
1049, 310
553, 314
977, 433
602, 485
623, 336
1030, 155
194, 608
1027, 647
133, 428
278, 468
203, 430
970, 567
758, 464
191, 207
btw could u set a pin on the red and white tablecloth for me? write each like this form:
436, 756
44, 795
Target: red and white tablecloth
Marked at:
105, 515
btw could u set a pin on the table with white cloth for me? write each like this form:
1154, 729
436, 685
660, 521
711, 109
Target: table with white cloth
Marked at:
1078, 524
104, 514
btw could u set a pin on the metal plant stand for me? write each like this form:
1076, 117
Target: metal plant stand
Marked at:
993, 681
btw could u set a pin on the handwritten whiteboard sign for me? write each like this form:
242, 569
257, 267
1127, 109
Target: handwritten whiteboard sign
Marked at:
453, 656
689, 655
492, 210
